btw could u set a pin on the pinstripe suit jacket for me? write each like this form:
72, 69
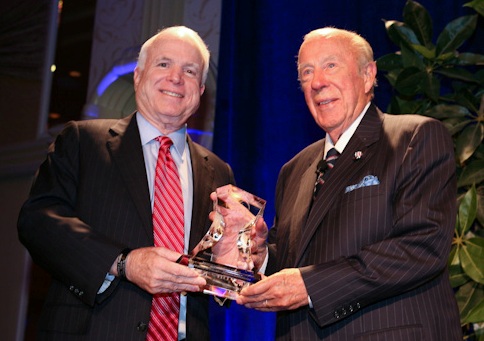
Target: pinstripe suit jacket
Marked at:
373, 258
89, 201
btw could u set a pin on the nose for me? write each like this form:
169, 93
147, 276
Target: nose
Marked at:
319, 80
175, 75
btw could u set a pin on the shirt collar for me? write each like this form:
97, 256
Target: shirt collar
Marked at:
148, 133
346, 136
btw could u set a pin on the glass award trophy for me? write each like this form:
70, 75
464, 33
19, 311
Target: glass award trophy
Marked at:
223, 256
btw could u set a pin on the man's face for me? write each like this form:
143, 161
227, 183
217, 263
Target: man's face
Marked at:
168, 88
335, 89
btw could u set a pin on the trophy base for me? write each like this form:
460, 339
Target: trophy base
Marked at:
223, 281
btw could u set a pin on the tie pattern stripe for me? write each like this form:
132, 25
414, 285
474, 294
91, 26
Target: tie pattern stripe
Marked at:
168, 231
331, 158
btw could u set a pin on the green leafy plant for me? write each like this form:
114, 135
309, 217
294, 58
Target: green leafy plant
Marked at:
437, 80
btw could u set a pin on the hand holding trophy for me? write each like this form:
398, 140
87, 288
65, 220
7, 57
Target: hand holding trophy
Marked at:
223, 256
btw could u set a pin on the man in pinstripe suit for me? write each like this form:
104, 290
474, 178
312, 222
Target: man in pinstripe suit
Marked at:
92, 199
366, 258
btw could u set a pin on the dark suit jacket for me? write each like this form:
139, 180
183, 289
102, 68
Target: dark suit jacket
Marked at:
373, 258
89, 201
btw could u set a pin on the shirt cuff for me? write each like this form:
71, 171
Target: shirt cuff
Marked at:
107, 282
310, 302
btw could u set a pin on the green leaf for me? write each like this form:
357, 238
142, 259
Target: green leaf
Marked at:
409, 81
449, 57
457, 73
441, 111
455, 34
471, 255
410, 58
424, 51
401, 34
392, 77
480, 77
479, 334
468, 296
467, 212
480, 210
455, 125
476, 314
468, 141
431, 86
465, 98
473, 173
480, 114
454, 260
419, 20
389, 62
477, 5
479, 153
394, 36
467, 58
457, 276
393, 107
414, 106
403, 106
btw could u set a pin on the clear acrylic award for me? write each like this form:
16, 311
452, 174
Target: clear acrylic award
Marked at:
223, 256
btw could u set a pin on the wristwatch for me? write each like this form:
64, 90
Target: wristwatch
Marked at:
121, 265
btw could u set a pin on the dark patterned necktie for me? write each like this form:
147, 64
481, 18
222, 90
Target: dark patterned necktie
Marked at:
168, 230
324, 166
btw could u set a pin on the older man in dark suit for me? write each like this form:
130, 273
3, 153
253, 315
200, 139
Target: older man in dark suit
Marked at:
362, 253
88, 220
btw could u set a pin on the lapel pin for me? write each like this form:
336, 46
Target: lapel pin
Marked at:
358, 155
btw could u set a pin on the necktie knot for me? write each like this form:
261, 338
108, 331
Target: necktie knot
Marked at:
165, 142
331, 157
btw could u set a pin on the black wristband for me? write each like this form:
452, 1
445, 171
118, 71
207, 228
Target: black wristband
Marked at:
121, 265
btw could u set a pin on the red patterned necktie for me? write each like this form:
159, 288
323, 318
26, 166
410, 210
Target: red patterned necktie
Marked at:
168, 231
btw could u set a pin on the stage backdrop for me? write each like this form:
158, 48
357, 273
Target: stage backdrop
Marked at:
261, 118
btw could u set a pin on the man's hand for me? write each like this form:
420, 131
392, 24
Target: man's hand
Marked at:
284, 290
258, 236
155, 270
234, 218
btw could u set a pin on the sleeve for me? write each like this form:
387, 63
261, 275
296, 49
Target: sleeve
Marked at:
49, 226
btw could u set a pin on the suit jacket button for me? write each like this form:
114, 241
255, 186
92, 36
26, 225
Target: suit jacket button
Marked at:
336, 315
142, 327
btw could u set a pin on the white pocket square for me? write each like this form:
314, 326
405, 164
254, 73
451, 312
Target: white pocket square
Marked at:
369, 180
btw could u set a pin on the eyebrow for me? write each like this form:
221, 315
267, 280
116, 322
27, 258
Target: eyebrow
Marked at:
167, 59
302, 66
319, 62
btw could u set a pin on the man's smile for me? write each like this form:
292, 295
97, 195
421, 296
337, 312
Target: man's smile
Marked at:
171, 93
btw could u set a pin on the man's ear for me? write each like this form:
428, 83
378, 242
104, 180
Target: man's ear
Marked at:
370, 76
136, 76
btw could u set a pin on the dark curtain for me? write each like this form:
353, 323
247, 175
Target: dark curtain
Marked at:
261, 117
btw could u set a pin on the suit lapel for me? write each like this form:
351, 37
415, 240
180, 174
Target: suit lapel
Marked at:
304, 197
346, 168
203, 177
127, 153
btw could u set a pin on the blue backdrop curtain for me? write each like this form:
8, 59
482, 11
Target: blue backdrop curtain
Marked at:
261, 117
